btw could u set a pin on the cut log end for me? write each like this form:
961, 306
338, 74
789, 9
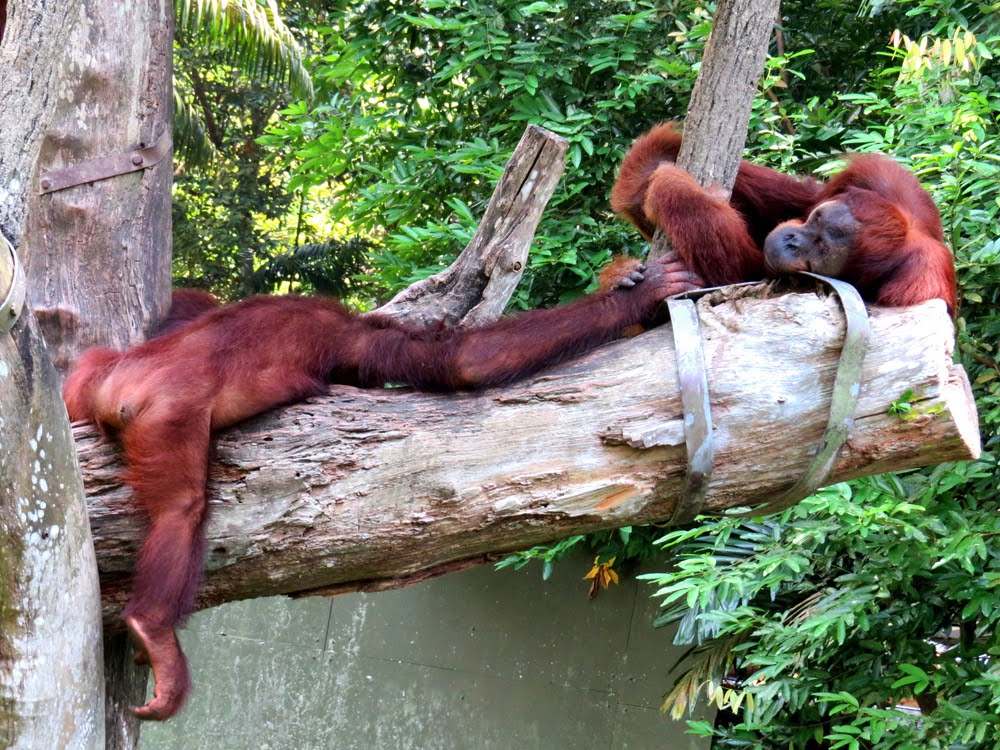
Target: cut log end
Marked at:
961, 405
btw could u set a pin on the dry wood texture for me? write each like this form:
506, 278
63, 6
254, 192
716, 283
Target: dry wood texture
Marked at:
476, 287
373, 489
84, 81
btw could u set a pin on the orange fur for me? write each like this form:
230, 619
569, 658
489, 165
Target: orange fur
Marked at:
224, 364
897, 258
185, 306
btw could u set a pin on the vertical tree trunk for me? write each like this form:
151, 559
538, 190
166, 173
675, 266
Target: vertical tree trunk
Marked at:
715, 128
50, 618
81, 82
97, 85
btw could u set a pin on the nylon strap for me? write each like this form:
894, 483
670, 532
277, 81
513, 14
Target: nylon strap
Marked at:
13, 301
846, 390
692, 372
693, 378
107, 166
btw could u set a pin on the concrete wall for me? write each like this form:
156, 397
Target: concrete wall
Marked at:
477, 660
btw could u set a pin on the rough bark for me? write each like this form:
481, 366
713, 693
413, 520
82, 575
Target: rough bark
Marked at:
125, 686
715, 128
476, 287
83, 81
50, 622
373, 489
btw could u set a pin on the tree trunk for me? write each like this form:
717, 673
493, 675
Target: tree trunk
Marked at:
715, 128
50, 622
85, 81
371, 489
81, 82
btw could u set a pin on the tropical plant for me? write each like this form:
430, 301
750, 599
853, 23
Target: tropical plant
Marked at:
837, 622
867, 616
238, 228
253, 38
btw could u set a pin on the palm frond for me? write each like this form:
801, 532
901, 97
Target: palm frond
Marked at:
191, 144
253, 32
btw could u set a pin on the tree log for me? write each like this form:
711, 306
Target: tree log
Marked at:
84, 81
372, 489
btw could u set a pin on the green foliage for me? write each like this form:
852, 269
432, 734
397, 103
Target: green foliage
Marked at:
817, 623
251, 34
421, 103
814, 626
238, 228
324, 267
252, 38
631, 544
192, 145
902, 407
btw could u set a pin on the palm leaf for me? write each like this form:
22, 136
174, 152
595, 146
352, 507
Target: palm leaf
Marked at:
253, 33
191, 144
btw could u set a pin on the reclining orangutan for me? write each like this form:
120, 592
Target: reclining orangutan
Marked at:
214, 366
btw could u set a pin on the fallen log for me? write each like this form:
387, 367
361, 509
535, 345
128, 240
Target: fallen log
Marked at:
373, 489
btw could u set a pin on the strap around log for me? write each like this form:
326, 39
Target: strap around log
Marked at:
13, 301
846, 390
693, 378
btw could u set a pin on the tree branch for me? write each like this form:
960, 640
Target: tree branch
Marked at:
476, 287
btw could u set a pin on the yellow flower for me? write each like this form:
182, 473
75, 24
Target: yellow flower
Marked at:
602, 574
